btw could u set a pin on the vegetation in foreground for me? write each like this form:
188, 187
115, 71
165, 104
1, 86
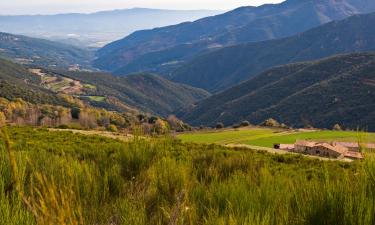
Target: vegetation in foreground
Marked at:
65, 178
267, 137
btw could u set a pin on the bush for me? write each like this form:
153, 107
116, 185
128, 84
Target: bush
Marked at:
75, 112
220, 126
245, 123
152, 120
236, 126
63, 126
271, 123
337, 127
112, 128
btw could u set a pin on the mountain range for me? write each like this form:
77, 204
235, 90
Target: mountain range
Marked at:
340, 89
34, 51
304, 63
164, 49
96, 29
229, 66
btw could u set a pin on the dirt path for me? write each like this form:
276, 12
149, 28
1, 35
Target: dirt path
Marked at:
118, 136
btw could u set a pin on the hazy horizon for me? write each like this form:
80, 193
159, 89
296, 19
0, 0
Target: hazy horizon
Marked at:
46, 7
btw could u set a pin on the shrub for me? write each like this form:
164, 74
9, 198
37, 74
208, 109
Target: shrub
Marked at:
63, 126
161, 127
337, 127
112, 128
152, 120
245, 123
75, 112
219, 126
271, 123
283, 125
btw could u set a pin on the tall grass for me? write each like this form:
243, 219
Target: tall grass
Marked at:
67, 178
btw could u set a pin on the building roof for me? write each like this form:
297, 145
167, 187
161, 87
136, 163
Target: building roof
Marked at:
355, 155
336, 148
286, 146
306, 143
355, 144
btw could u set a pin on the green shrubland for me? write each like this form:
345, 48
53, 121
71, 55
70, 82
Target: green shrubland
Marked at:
64, 178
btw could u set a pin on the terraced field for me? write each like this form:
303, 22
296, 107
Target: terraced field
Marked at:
267, 137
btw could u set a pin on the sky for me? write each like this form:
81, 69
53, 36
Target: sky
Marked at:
17, 7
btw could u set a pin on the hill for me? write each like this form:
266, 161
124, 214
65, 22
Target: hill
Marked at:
246, 24
17, 82
44, 53
96, 29
319, 93
147, 92
229, 66
144, 92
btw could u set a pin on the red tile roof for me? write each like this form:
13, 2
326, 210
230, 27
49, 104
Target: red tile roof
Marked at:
355, 155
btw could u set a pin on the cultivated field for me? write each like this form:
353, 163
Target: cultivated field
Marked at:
267, 137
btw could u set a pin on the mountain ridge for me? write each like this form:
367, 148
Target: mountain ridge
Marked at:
98, 28
285, 17
320, 93
229, 66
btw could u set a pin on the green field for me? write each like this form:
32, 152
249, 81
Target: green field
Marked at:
267, 137
96, 98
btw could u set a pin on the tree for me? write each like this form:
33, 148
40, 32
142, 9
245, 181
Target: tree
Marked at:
175, 123
245, 123
337, 127
112, 128
271, 123
161, 127
75, 112
220, 126
141, 118
152, 120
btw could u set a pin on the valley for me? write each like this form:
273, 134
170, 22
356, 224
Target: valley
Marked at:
254, 115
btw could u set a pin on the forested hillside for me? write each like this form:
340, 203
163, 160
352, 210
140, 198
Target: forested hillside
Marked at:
229, 66
33, 51
178, 43
320, 93
148, 92
17, 82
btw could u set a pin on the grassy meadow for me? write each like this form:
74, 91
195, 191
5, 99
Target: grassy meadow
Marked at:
50, 177
267, 137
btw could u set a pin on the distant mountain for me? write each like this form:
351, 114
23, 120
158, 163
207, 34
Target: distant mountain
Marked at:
147, 92
229, 66
163, 49
96, 29
321, 93
41, 52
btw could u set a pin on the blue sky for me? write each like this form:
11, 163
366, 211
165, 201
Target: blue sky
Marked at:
60, 6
